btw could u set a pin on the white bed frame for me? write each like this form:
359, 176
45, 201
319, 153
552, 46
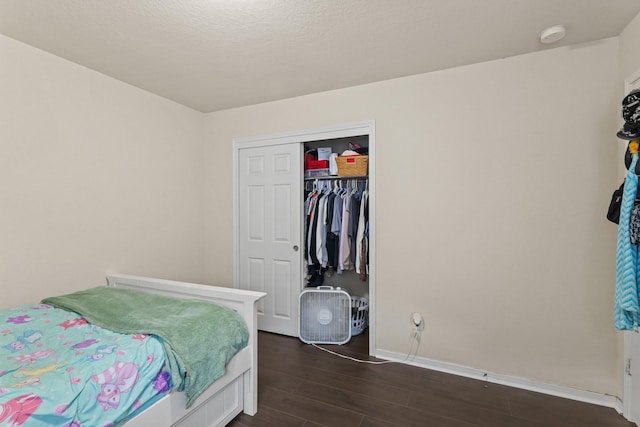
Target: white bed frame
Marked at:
231, 394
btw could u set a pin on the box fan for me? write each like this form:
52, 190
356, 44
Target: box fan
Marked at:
325, 316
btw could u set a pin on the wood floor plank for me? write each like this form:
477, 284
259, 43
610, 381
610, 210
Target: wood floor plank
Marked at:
374, 422
268, 418
558, 412
386, 411
467, 394
481, 393
277, 379
366, 388
394, 374
310, 409
301, 386
466, 411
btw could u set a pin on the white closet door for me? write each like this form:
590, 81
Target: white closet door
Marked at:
269, 229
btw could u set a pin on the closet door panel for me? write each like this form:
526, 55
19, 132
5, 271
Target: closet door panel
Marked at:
282, 214
282, 275
256, 213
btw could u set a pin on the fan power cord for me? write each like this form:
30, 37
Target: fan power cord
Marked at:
408, 358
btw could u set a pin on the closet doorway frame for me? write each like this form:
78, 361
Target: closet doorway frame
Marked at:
304, 136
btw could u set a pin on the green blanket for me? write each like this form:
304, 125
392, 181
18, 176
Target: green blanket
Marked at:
199, 337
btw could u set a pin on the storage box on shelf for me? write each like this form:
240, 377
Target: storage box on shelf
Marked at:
316, 173
352, 165
317, 164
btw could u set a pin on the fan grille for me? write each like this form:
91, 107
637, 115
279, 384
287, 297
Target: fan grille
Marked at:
325, 316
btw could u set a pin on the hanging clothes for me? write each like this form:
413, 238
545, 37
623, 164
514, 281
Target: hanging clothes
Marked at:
361, 239
353, 226
321, 231
344, 258
336, 228
312, 210
331, 239
336, 224
313, 276
626, 304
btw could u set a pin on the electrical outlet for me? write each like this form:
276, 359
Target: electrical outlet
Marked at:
417, 321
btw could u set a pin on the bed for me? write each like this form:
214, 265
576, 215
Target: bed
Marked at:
100, 362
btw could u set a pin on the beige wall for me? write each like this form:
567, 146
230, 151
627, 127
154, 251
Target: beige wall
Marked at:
492, 185
629, 48
96, 176
629, 65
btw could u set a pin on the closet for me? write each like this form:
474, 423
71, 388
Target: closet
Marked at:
336, 259
272, 184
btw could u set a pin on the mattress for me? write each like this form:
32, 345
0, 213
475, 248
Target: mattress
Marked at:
56, 369
100, 356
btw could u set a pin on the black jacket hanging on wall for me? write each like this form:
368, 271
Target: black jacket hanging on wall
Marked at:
613, 214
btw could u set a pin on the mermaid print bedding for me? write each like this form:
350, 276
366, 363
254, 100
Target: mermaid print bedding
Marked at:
56, 369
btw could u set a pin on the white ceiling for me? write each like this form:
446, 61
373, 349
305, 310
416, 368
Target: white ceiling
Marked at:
217, 54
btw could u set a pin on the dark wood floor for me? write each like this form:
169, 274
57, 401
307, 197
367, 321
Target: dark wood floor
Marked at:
300, 385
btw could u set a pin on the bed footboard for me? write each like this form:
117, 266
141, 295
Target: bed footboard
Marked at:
237, 390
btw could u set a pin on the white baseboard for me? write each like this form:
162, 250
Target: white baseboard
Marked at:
522, 383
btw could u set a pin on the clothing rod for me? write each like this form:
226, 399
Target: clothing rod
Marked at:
310, 185
324, 178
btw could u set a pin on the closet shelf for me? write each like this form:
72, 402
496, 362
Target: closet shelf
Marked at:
335, 177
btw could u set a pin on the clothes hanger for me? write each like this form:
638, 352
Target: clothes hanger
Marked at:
326, 187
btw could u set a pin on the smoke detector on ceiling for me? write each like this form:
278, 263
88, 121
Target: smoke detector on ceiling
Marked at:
553, 34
